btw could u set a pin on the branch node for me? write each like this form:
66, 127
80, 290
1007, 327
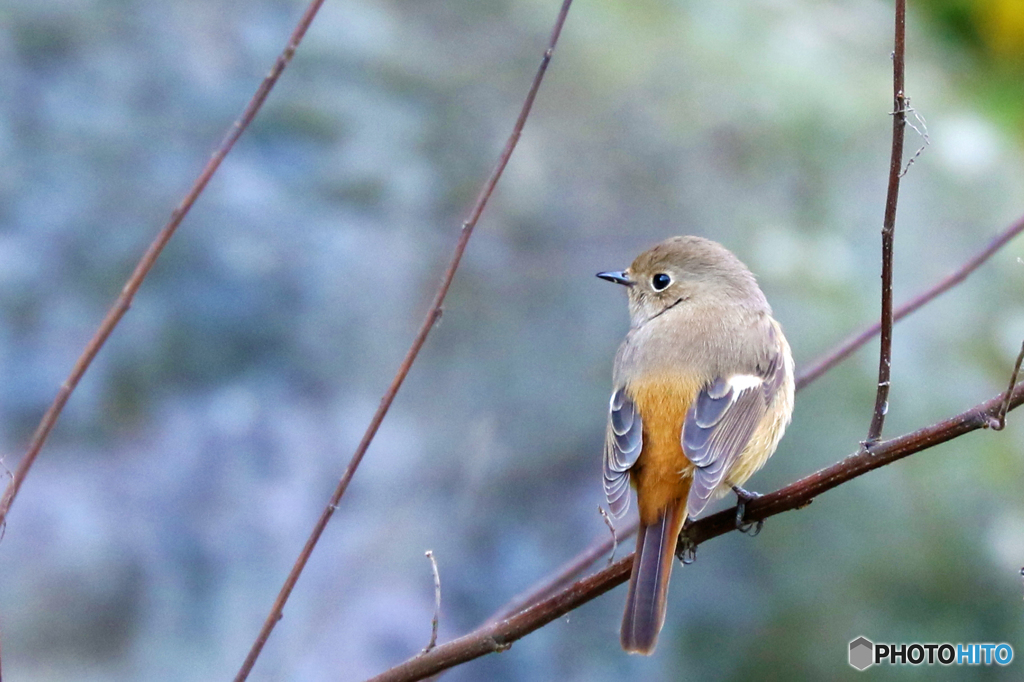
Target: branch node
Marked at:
499, 646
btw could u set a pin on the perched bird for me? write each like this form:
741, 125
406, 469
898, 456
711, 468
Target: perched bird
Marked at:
702, 392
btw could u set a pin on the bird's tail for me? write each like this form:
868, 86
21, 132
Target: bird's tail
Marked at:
648, 584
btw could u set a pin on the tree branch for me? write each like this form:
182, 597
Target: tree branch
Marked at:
145, 264
499, 636
899, 121
832, 358
560, 577
432, 316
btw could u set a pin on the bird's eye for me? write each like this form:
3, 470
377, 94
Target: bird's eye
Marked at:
660, 281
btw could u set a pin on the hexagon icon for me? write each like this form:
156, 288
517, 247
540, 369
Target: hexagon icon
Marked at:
862, 653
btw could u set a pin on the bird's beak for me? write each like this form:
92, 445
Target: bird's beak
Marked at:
619, 277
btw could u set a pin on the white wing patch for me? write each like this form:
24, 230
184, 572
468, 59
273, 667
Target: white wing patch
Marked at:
743, 382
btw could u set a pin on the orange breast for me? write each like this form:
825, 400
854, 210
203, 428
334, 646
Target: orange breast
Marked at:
662, 474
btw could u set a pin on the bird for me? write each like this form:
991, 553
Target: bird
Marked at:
702, 393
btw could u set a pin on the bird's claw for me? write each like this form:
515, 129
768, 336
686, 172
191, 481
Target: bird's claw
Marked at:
686, 548
742, 525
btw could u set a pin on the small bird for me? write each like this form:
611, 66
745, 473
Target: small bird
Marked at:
702, 392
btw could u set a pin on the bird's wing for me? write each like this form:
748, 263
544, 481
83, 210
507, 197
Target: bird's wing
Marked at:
721, 422
622, 445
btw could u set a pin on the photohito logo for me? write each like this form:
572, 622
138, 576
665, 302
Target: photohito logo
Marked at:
864, 653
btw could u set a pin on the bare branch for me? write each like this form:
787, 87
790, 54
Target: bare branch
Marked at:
432, 316
145, 264
899, 120
832, 358
437, 603
561, 577
499, 636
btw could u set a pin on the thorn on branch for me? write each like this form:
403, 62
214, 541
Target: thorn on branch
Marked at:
437, 603
998, 422
611, 528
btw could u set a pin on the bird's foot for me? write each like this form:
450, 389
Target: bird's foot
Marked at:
686, 548
742, 525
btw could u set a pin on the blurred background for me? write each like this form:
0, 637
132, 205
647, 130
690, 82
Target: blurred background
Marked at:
159, 522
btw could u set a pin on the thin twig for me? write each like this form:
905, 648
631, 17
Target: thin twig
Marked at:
561, 577
421, 337
899, 119
437, 603
145, 264
999, 421
842, 351
611, 529
499, 636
